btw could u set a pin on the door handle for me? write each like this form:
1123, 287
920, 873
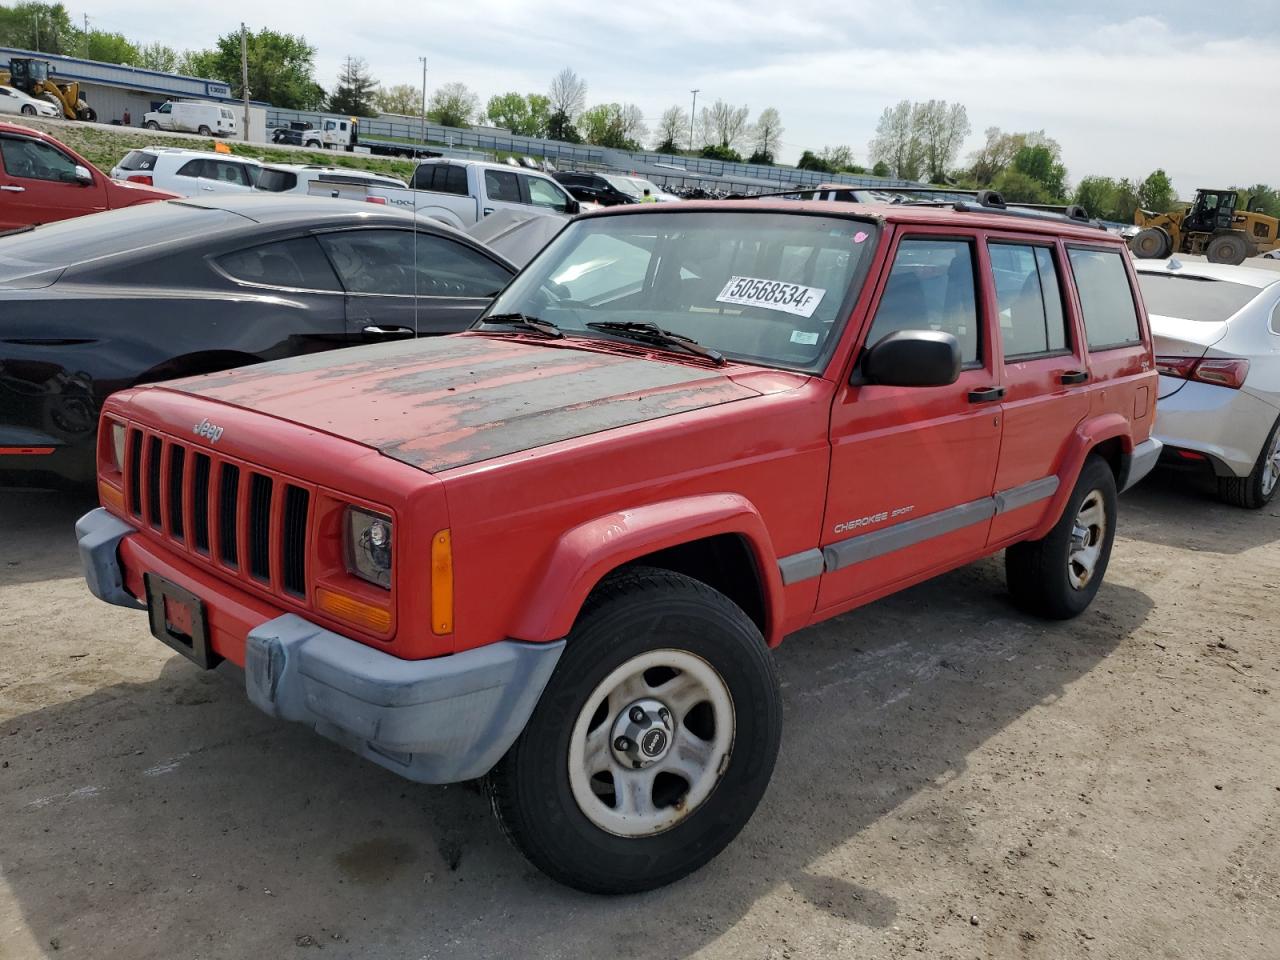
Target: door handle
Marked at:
986, 395
12, 188
374, 330
210, 189
1074, 376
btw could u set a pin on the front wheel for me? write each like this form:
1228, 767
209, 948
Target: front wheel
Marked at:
28, 110
1058, 575
151, 125
652, 743
204, 131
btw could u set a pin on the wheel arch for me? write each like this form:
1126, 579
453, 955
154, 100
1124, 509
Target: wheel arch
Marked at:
719, 539
1109, 437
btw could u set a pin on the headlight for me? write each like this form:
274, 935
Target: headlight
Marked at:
368, 546
117, 444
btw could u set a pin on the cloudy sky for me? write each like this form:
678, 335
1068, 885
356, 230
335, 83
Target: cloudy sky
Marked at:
1124, 87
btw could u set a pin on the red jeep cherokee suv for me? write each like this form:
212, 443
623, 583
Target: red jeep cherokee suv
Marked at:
556, 549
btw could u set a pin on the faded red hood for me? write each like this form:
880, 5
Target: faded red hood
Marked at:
444, 402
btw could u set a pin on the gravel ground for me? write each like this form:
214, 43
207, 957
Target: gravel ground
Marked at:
955, 781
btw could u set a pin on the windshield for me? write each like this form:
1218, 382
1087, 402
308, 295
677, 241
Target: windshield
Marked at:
626, 186
768, 288
1193, 298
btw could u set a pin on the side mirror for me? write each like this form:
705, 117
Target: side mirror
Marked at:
911, 358
572, 207
83, 175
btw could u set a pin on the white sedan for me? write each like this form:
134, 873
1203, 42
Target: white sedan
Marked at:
13, 100
1217, 343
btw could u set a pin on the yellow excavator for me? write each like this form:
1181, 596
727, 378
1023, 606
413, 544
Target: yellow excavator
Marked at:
1214, 225
33, 78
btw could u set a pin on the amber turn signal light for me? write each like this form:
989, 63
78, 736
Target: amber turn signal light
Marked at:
442, 583
110, 497
377, 619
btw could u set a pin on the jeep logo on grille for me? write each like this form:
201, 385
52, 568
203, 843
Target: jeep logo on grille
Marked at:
207, 430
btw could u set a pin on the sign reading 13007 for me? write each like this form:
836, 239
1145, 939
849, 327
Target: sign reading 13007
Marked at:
772, 295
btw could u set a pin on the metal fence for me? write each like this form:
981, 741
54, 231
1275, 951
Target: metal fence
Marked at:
670, 168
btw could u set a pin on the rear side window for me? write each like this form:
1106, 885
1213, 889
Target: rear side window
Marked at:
502, 186
192, 168
1110, 314
379, 261
138, 160
441, 178
297, 263
931, 288
277, 181
1028, 300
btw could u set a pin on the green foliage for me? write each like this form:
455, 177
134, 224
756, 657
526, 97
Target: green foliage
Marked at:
881, 169
1108, 199
156, 56
453, 105
356, 91
45, 27
1156, 192
1039, 164
1260, 197
401, 98
107, 47
606, 125
762, 157
714, 151
811, 161
560, 126
281, 68
1017, 186
521, 114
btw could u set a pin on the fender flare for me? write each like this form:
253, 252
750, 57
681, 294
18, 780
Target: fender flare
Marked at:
586, 554
1087, 435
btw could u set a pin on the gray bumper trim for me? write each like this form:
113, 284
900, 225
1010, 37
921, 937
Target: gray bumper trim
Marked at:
1134, 466
98, 535
433, 721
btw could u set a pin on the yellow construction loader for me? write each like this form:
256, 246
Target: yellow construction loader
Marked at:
33, 78
1214, 225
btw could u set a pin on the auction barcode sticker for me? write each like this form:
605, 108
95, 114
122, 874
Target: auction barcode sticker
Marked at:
791, 298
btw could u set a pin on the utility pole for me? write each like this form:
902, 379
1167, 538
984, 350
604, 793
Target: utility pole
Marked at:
244, 76
692, 112
84, 44
36, 18
424, 98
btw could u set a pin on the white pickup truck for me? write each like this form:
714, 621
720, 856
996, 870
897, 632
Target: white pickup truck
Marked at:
462, 192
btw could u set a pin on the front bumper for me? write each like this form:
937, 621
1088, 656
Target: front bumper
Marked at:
1229, 426
441, 720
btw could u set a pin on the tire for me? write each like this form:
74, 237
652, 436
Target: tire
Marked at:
1046, 576
151, 125
28, 110
1151, 243
1257, 489
89, 115
313, 144
204, 131
573, 824
1227, 248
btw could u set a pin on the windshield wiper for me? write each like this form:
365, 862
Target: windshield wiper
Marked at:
544, 327
645, 332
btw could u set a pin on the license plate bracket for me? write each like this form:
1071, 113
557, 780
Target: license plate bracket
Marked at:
178, 620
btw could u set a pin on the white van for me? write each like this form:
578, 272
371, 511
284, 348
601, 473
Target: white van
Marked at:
193, 116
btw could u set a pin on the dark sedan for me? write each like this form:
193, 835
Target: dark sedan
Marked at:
94, 305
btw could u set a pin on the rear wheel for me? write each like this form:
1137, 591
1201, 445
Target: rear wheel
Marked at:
1058, 576
1227, 248
652, 743
1151, 243
1259, 487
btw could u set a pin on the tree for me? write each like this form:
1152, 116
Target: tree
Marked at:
1156, 192
633, 126
560, 126
811, 161
897, 141
509, 110
156, 56
713, 151
568, 94
941, 128
768, 136
881, 169
727, 124
994, 156
1260, 197
1107, 199
1040, 163
45, 27
838, 158
613, 125
281, 68
356, 90
106, 47
1019, 187
402, 98
673, 129
453, 105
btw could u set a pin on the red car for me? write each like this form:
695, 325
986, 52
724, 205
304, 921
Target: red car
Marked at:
42, 180
556, 549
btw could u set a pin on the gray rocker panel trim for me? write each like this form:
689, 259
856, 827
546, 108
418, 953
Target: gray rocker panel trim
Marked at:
867, 546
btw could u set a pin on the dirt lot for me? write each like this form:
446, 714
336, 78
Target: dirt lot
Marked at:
955, 781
